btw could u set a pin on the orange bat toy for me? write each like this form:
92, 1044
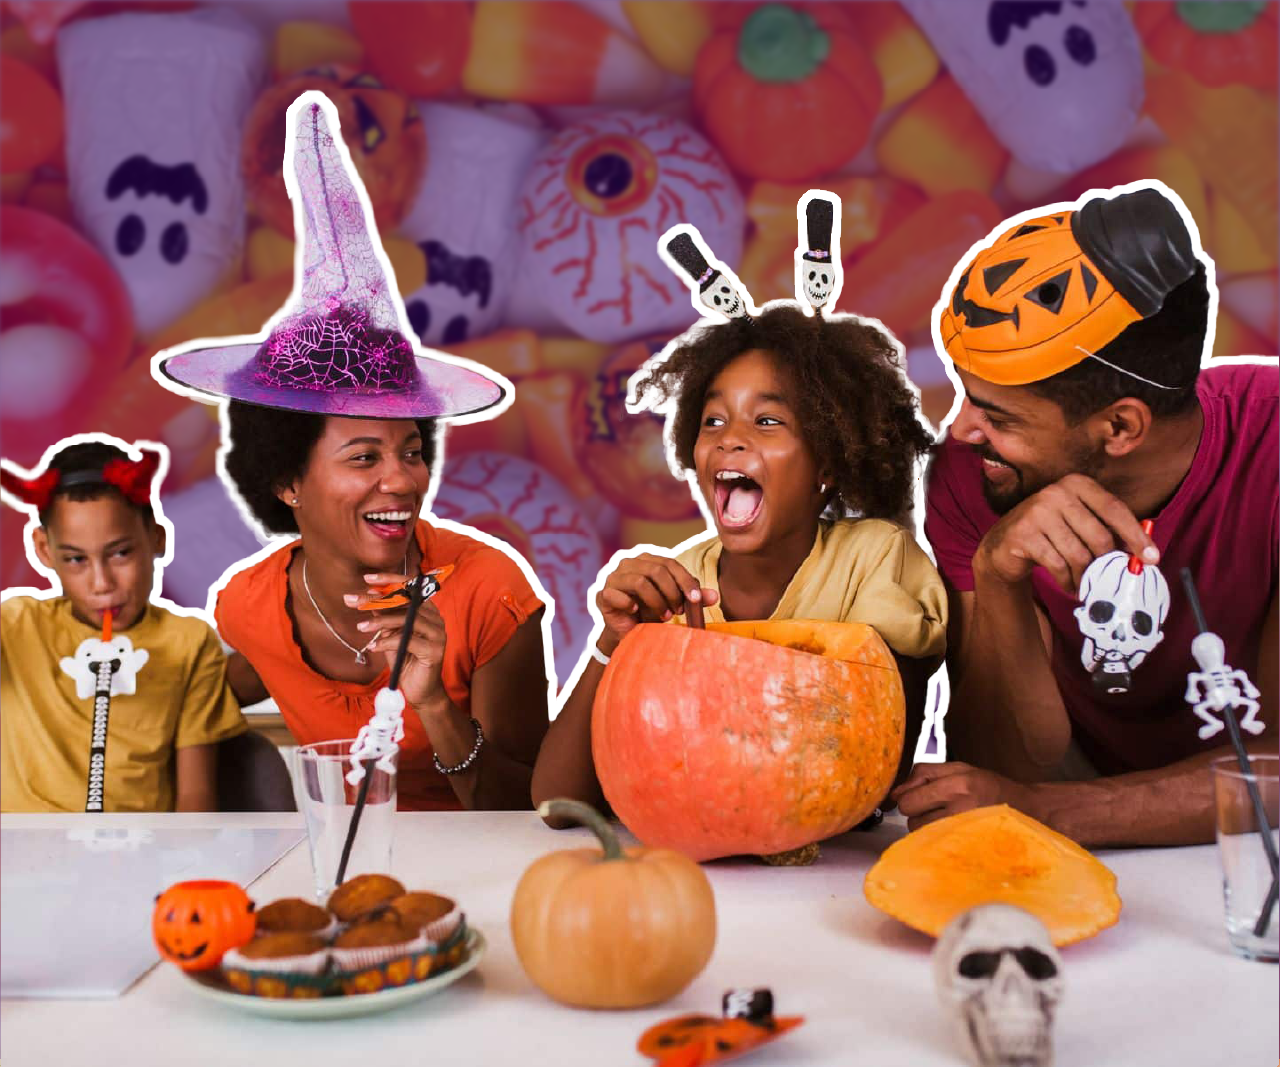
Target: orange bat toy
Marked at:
394, 596
696, 1040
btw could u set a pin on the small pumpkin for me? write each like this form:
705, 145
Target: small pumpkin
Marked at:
993, 855
789, 95
1228, 42
381, 128
611, 928
747, 738
195, 923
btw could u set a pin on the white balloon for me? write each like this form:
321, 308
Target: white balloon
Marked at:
40, 367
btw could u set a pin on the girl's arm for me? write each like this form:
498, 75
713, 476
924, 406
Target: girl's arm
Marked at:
197, 778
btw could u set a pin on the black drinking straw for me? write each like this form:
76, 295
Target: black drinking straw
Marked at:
417, 588
1246, 768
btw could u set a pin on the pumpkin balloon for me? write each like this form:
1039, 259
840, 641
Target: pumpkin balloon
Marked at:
382, 129
195, 923
611, 929
747, 738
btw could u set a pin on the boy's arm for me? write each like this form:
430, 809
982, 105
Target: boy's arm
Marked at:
244, 680
197, 778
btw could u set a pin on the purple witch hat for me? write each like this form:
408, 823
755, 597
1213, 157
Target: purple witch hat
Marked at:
342, 344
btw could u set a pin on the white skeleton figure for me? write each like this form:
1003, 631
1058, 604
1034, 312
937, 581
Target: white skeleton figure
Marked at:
1215, 686
720, 296
119, 652
817, 280
380, 737
1120, 616
999, 976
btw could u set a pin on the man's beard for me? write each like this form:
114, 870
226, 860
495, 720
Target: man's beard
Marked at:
1082, 460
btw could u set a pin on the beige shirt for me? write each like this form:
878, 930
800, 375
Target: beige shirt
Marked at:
859, 570
46, 729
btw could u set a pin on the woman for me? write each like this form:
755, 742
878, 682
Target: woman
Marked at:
332, 436
352, 488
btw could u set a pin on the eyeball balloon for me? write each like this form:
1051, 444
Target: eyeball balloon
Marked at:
593, 206
1059, 84
154, 108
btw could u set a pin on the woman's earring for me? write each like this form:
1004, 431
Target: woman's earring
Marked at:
293, 502
822, 489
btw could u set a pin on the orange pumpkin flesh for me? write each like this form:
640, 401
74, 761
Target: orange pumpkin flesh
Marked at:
994, 855
611, 929
195, 923
747, 738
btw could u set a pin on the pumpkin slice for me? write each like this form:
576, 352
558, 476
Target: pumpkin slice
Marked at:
994, 855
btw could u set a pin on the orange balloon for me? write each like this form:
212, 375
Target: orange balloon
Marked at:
418, 48
30, 117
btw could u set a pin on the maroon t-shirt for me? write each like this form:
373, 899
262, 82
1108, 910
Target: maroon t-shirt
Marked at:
1223, 522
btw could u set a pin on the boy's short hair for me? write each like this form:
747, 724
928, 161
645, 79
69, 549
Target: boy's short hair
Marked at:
856, 409
269, 448
1166, 348
80, 468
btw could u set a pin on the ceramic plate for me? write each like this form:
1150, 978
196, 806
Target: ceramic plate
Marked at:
345, 1007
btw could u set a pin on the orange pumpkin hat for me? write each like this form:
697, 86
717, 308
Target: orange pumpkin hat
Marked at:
1049, 292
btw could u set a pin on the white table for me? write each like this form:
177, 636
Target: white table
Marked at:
1160, 988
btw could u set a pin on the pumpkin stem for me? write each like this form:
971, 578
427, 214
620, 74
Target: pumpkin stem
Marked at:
585, 815
1224, 16
780, 44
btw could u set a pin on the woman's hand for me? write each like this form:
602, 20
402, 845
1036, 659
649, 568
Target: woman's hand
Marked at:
646, 588
420, 679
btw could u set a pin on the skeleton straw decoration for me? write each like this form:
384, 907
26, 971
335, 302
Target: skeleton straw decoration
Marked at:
1224, 690
380, 738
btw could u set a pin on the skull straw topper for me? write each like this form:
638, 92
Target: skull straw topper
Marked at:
999, 977
1047, 292
818, 273
1124, 602
716, 290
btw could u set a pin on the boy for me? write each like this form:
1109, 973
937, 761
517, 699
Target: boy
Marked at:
150, 744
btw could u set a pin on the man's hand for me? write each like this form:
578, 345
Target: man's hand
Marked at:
936, 790
1062, 528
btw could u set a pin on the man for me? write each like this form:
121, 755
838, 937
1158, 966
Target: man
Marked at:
1077, 339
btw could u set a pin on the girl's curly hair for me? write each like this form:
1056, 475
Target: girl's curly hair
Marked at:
270, 448
853, 403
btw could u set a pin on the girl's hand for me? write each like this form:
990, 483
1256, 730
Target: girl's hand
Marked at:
420, 679
646, 588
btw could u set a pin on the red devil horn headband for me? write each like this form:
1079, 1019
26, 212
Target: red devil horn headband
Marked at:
131, 477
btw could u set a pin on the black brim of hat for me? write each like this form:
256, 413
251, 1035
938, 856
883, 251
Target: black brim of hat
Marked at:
440, 391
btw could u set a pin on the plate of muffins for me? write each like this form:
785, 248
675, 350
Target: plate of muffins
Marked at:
374, 947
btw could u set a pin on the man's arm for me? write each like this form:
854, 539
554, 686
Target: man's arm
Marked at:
197, 774
1169, 806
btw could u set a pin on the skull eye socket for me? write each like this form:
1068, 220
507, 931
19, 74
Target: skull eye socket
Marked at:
716, 300
1035, 963
1141, 623
812, 274
824, 278
979, 964
1101, 611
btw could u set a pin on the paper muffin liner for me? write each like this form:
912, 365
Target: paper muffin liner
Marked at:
360, 971
370, 957
442, 929
292, 977
325, 933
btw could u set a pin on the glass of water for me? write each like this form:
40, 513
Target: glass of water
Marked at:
1248, 885
328, 802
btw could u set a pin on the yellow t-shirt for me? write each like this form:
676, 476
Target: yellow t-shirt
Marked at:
859, 570
182, 699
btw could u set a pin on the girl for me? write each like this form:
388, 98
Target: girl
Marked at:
790, 424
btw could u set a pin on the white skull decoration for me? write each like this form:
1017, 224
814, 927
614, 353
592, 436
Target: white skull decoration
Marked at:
1120, 616
817, 279
1000, 977
720, 296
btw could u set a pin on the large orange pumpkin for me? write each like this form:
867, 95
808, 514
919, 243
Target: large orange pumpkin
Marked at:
195, 923
993, 855
747, 738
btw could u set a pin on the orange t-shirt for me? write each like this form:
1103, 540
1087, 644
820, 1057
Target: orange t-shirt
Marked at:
482, 603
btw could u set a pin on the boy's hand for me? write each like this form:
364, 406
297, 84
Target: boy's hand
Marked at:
420, 677
646, 588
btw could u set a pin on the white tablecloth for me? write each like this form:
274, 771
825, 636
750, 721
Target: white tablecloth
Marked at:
1161, 988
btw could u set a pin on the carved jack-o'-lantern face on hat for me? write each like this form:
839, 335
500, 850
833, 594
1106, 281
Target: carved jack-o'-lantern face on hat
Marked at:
1051, 291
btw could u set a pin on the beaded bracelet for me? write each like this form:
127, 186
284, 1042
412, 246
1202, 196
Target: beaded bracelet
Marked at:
460, 767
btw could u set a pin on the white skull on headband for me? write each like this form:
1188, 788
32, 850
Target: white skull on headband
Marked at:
1122, 609
716, 292
820, 261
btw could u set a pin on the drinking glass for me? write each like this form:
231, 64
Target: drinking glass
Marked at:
1248, 886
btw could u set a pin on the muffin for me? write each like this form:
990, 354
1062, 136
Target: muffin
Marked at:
436, 916
363, 893
278, 965
378, 953
295, 916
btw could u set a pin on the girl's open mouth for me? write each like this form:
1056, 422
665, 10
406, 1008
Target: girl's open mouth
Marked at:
738, 499
389, 525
